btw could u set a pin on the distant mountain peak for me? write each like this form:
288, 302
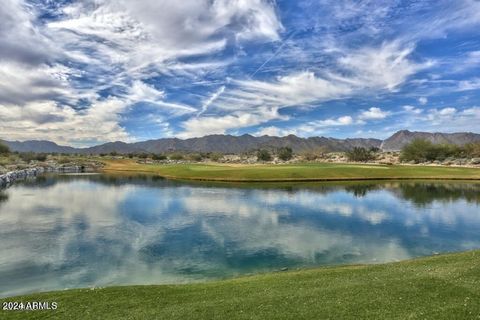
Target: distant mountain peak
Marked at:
398, 140
246, 142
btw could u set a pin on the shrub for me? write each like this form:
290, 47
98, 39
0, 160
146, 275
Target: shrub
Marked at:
416, 151
264, 155
285, 153
143, 155
195, 157
176, 156
4, 149
472, 150
63, 160
30, 156
360, 154
421, 150
215, 156
159, 157
309, 156
316, 153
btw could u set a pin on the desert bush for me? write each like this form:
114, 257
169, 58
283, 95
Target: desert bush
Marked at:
285, 153
360, 154
30, 156
195, 157
4, 149
421, 150
215, 156
63, 160
309, 156
472, 150
176, 156
159, 157
264, 155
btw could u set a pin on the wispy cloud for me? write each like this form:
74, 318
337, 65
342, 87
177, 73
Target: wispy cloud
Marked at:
197, 66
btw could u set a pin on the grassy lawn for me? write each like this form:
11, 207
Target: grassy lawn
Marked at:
296, 172
439, 287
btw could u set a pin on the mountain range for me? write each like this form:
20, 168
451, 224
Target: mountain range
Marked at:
245, 143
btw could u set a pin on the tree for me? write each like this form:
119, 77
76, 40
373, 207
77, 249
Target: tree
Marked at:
285, 153
176, 156
195, 157
4, 149
30, 156
215, 156
416, 151
421, 150
264, 155
159, 157
359, 154
472, 149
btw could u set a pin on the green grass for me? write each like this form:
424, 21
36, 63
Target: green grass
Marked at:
296, 172
439, 287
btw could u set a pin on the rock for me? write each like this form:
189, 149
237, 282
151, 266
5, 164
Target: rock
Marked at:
8, 178
475, 161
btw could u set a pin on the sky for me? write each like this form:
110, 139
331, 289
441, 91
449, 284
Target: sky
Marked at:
86, 72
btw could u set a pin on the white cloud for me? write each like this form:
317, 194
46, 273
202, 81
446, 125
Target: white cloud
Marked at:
412, 109
274, 132
143, 34
468, 85
386, 67
119, 44
447, 111
197, 127
20, 40
141, 92
449, 119
295, 89
270, 131
373, 114
365, 71
423, 101
48, 120
341, 121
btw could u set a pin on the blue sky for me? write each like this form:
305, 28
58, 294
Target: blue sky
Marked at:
87, 72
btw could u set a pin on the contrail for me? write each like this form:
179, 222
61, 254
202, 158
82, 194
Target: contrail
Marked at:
214, 97
274, 54
221, 90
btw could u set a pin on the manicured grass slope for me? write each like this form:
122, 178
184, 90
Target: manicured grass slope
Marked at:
440, 287
297, 172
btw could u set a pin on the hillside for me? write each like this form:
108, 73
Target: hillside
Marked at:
229, 144
213, 143
401, 138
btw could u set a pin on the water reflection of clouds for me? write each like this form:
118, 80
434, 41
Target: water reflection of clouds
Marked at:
83, 232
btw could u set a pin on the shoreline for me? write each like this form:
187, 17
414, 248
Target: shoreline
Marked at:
263, 273
113, 171
441, 286
306, 172
11, 177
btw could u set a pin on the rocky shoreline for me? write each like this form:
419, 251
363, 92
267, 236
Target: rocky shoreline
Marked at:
10, 177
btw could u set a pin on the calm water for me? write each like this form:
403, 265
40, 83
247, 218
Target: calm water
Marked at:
82, 231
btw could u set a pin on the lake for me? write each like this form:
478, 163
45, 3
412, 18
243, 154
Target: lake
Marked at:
70, 231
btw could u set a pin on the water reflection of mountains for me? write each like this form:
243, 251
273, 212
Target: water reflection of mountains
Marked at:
420, 193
